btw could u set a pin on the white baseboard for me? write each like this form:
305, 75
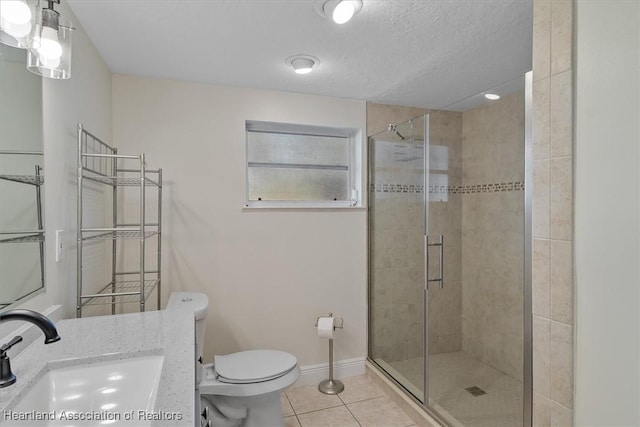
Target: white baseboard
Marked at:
313, 374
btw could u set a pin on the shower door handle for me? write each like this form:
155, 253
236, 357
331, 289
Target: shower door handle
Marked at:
440, 245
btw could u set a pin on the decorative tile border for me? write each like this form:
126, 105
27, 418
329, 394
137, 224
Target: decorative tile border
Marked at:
449, 189
489, 188
397, 188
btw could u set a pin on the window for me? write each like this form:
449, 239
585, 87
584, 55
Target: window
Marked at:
292, 165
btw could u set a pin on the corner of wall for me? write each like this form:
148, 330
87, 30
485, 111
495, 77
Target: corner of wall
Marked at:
552, 264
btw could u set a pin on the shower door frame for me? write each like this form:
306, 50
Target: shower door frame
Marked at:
527, 378
425, 291
527, 382
424, 404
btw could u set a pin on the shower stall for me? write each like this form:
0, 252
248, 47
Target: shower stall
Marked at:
449, 276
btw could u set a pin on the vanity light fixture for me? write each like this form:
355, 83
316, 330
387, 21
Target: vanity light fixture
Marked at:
29, 24
340, 11
492, 96
303, 64
50, 44
16, 21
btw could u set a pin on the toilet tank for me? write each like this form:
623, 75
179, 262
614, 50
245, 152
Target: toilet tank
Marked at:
196, 303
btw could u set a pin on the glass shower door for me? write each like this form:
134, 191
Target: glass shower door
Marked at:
397, 258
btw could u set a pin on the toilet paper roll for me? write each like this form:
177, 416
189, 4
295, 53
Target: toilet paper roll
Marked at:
325, 327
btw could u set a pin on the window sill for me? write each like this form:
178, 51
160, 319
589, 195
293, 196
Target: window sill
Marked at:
311, 207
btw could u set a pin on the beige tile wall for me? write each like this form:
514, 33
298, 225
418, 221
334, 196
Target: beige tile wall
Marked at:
445, 305
552, 213
396, 292
493, 235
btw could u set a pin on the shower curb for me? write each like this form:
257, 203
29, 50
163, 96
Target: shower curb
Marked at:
412, 409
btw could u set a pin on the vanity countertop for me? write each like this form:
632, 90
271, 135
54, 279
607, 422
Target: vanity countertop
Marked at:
106, 338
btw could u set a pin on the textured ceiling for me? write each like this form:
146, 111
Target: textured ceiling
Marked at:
426, 53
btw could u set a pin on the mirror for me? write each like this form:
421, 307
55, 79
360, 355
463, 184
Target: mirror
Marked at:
21, 179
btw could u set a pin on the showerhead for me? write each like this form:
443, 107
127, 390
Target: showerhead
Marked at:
407, 152
394, 129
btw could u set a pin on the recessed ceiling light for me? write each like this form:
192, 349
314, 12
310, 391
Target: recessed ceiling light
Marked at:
492, 96
302, 64
340, 11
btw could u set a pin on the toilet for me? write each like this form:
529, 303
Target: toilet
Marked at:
239, 389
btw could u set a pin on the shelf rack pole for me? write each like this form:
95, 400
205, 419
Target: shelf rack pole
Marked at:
40, 225
142, 229
79, 229
114, 194
159, 276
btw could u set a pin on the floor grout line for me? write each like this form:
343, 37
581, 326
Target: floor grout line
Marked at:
335, 406
318, 410
342, 403
353, 415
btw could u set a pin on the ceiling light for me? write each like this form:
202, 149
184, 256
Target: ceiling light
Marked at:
492, 96
343, 12
340, 11
303, 64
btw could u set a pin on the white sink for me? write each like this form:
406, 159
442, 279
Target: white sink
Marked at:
108, 391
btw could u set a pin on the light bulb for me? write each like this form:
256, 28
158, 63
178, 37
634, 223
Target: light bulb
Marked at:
15, 12
343, 11
492, 96
49, 47
302, 65
15, 30
305, 70
50, 63
15, 18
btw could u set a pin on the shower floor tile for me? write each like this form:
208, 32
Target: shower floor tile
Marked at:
451, 373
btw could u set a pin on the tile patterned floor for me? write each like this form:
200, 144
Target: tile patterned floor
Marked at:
361, 404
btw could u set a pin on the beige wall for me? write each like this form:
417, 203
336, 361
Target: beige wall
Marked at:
268, 273
552, 213
493, 234
85, 98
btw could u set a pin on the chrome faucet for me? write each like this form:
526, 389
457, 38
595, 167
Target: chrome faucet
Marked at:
44, 323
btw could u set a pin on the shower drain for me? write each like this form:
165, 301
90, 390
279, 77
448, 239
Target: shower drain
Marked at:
476, 391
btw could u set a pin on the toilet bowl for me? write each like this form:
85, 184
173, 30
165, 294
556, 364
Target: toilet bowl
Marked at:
238, 389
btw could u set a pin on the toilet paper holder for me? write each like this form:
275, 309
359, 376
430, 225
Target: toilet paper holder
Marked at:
335, 326
331, 386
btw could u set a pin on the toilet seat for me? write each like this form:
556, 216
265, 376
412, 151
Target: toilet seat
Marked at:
211, 384
253, 366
